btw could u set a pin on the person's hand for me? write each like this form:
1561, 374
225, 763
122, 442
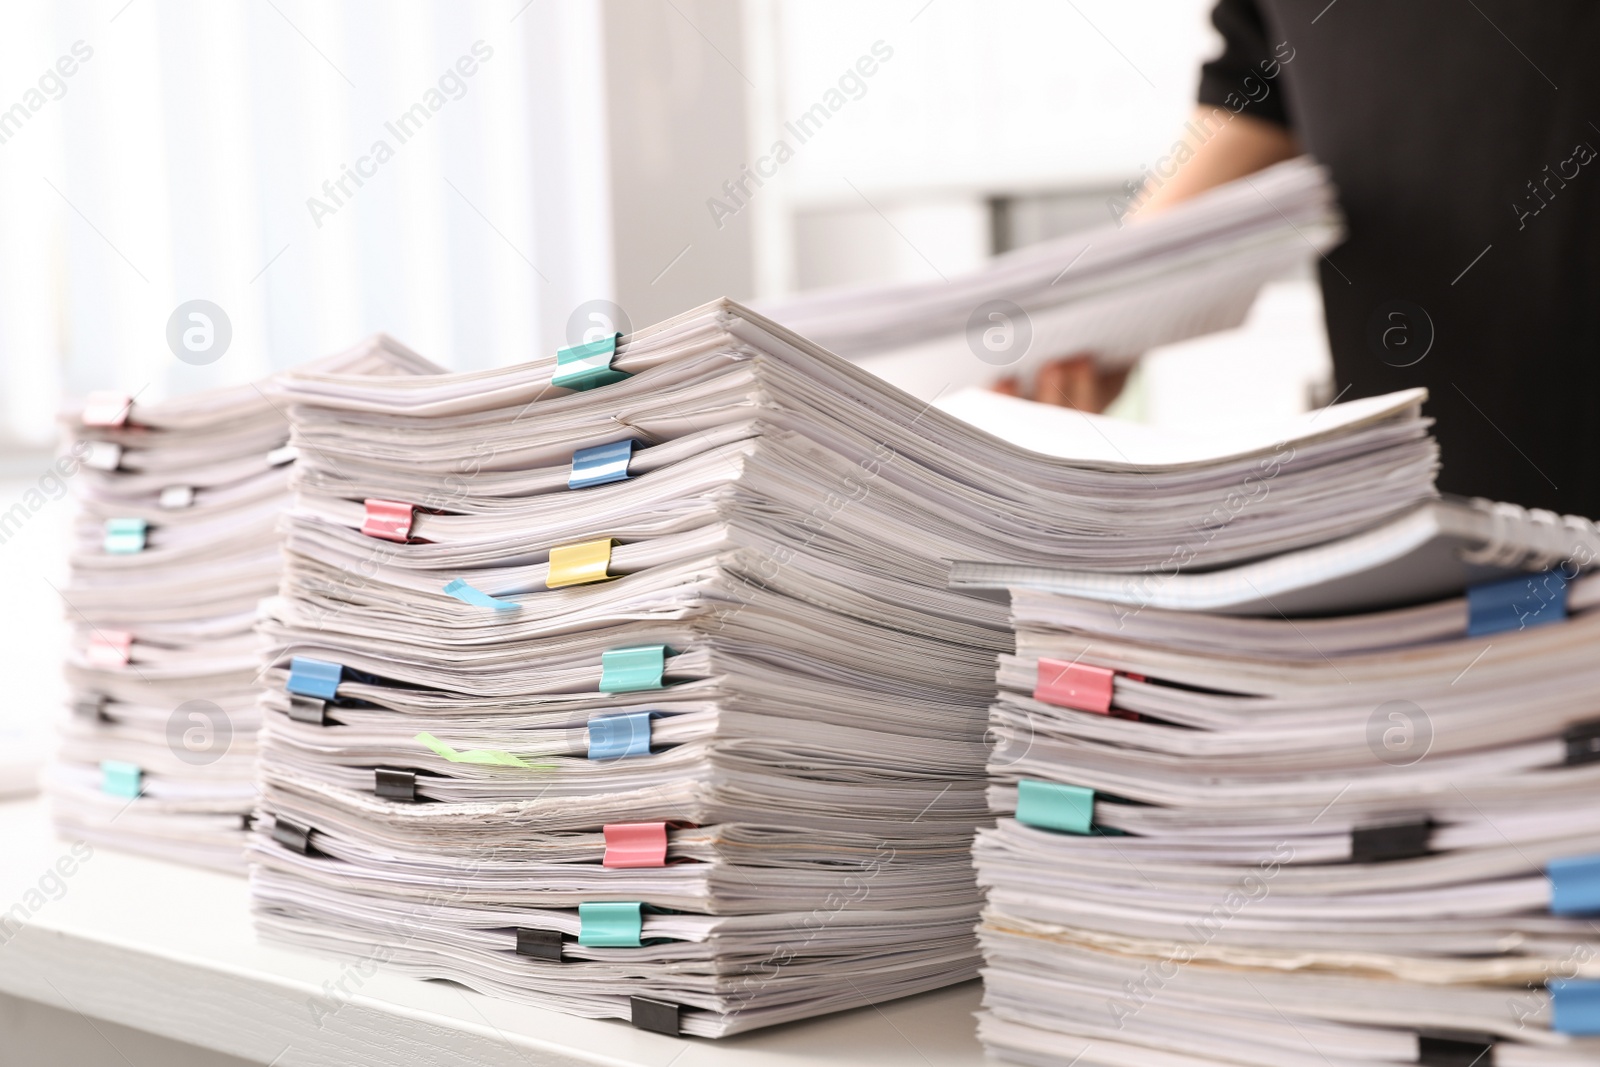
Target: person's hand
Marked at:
1073, 382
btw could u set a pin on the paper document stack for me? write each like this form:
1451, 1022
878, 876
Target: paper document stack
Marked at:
1115, 291
175, 544
629, 683
1364, 837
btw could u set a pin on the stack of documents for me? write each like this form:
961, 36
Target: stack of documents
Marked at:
1367, 837
629, 683
1115, 291
175, 544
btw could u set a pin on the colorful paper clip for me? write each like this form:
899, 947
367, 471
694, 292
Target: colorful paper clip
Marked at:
1077, 686
588, 365
107, 409
620, 736
314, 677
1516, 603
636, 844
600, 465
1574, 885
628, 670
1054, 806
468, 594
387, 519
110, 648
120, 779
1575, 1006
579, 564
611, 924
125, 536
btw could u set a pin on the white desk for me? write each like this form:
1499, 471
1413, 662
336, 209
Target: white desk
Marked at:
170, 950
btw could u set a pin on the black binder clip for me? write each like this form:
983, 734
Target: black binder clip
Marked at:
91, 707
395, 785
657, 1016
308, 709
540, 944
1403, 840
1454, 1048
1583, 743
292, 836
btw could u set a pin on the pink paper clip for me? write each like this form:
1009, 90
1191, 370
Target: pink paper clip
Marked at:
106, 409
1074, 685
110, 648
636, 844
388, 519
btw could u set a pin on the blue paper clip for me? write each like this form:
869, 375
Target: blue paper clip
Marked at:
467, 594
588, 365
1574, 885
314, 677
1516, 603
119, 779
620, 736
1575, 1006
600, 464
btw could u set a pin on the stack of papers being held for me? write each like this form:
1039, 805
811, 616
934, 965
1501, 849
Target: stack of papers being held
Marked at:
1116, 291
1365, 838
175, 545
629, 683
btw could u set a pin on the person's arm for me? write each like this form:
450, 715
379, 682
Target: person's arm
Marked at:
1242, 146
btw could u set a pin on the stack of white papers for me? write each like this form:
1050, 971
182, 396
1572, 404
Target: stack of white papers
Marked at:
1358, 838
1114, 291
629, 683
175, 544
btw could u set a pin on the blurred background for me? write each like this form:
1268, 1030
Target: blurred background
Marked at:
488, 181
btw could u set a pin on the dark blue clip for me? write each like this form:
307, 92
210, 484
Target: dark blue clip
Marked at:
1516, 603
600, 464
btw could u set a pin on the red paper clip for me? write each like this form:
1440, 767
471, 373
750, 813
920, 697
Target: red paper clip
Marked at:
1074, 685
636, 844
110, 648
106, 409
388, 519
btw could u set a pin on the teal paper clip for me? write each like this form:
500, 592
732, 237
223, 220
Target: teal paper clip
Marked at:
1516, 603
586, 366
1574, 885
119, 779
601, 464
314, 677
1053, 806
125, 536
1574, 1006
628, 670
620, 736
477, 597
611, 924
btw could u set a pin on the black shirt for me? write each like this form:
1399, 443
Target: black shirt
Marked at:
1464, 138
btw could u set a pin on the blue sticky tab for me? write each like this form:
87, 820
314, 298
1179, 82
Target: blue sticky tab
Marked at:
628, 670
1575, 1004
611, 924
600, 464
619, 736
1574, 885
477, 597
124, 536
314, 677
1053, 806
120, 779
1516, 603
586, 366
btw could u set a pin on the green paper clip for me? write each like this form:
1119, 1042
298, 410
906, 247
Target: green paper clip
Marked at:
588, 365
487, 757
125, 536
611, 924
121, 779
1053, 806
627, 670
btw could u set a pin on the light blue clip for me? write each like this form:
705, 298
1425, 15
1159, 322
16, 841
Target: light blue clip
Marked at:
1516, 603
600, 464
477, 597
620, 736
1053, 806
314, 677
611, 924
1575, 1006
120, 779
1574, 885
586, 366
124, 536
628, 670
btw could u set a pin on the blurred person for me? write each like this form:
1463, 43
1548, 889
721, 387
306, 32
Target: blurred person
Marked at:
1462, 138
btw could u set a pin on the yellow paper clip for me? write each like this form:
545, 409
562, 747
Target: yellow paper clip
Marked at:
579, 564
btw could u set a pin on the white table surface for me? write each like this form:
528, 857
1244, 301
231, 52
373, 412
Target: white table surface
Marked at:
170, 950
